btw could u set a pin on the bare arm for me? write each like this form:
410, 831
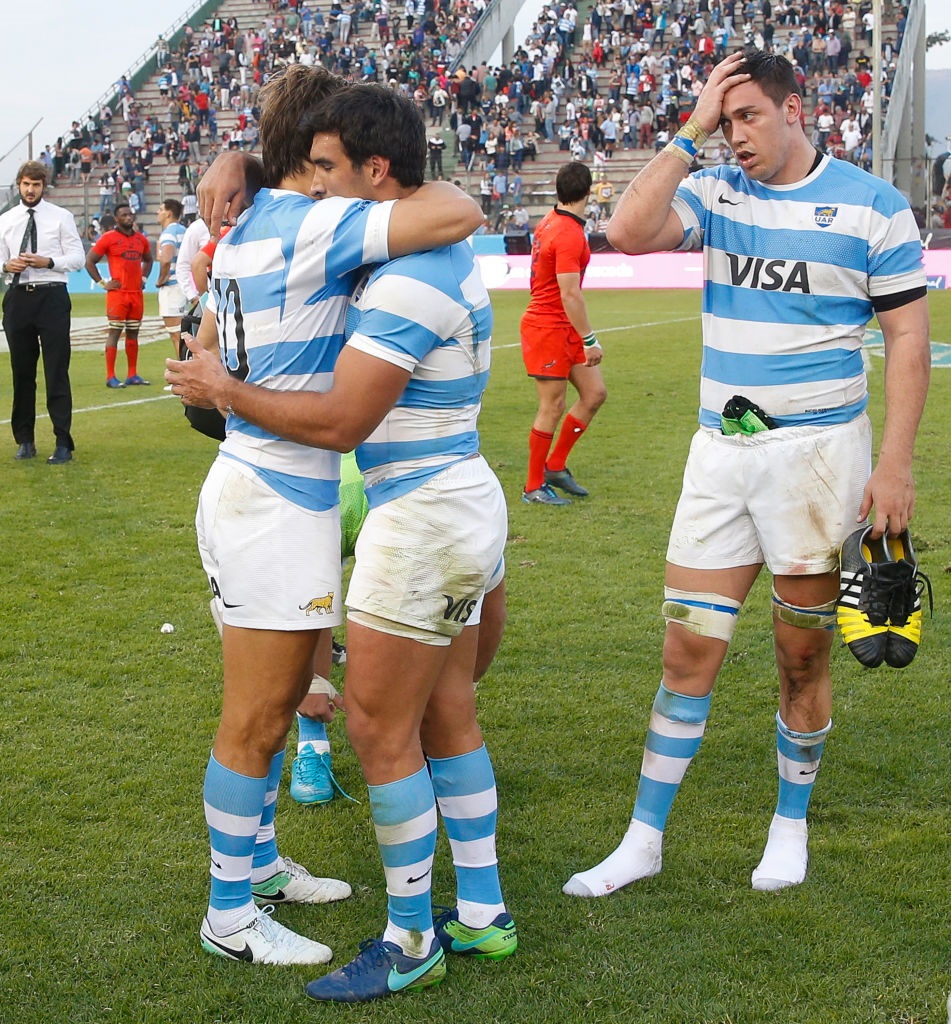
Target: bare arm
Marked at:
165, 255
643, 220
436, 214
576, 310
891, 487
364, 390
201, 265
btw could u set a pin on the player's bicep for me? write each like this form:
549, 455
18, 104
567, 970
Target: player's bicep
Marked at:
366, 387
569, 285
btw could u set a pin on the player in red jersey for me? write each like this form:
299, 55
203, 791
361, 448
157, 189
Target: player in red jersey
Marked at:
558, 344
130, 261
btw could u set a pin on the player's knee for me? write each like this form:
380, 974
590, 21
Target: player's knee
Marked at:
596, 397
820, 616
701, 614
803, 657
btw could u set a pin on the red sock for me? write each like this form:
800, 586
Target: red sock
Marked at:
538, 445
110, 362
571, 431
132, 355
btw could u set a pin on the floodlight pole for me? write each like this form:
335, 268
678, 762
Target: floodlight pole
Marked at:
877, 88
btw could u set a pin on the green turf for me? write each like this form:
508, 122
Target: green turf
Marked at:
107, 724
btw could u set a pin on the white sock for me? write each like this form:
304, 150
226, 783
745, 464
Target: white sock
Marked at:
413, 943
227, 922
785, 857
637, 856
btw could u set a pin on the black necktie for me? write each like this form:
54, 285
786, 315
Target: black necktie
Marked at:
29, 238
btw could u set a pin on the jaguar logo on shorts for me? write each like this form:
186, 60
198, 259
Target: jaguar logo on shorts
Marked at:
319, 605
825, 215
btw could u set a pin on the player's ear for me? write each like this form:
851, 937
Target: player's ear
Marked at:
379, 167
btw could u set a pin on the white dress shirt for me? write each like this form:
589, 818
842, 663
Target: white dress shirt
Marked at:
56, 237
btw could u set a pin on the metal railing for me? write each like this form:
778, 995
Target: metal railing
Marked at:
139, 72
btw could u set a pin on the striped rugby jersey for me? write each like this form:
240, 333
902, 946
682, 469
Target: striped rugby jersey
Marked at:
281, 282
430, 314
790, 275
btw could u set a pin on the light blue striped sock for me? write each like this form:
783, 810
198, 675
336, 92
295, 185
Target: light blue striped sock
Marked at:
466, 794
233, 805
799, 755
265, 847
404, 816
312, 731
673, 737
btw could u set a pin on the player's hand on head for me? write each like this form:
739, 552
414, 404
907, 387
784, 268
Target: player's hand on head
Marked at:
227, 188
722, 79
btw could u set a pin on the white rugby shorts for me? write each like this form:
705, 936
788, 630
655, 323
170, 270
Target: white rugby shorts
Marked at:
423, 560
271, 564
787, 498
171, 300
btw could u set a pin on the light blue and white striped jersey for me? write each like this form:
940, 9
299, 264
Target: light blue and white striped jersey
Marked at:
172, 236
281, 281
430, 314
790, 273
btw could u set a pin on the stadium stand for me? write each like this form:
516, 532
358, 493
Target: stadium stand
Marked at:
604, 83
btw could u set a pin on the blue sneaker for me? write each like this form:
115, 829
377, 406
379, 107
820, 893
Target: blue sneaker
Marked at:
494, 942
313, 780
135, 379
311, 777
114, 382
380, 969
543, 495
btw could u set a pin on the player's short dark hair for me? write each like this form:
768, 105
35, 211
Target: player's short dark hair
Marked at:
285, 100
573, 182
33, 170
772, 72
373, 121
122, 204
174, 207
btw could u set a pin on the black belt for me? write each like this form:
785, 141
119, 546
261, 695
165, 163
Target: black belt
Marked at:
41, 284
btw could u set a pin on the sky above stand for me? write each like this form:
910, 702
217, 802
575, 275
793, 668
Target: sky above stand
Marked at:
84, 50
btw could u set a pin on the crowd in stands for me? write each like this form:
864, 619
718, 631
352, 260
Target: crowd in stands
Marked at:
626, 77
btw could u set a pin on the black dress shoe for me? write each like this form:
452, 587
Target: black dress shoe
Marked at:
27, 450
61, 455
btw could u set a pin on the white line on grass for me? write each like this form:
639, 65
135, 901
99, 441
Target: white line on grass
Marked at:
159, 398
626, 327
111, 405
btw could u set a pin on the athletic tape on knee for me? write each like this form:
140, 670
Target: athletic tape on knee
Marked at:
704, 614
822, 616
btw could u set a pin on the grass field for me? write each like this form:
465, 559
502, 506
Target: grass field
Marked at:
107, 723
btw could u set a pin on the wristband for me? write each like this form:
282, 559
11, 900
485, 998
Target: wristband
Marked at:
101, 282
590, 340
693, 131
681, 154
320, 685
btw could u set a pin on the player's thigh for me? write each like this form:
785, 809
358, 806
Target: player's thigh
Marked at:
270, 563
424, 558
712, 527
805, 512
547, 349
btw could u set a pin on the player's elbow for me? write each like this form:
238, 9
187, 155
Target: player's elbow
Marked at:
623, 239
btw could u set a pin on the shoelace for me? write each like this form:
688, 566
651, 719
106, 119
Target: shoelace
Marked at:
264, 923
442, 916
890, 591
309, 766
373, 955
